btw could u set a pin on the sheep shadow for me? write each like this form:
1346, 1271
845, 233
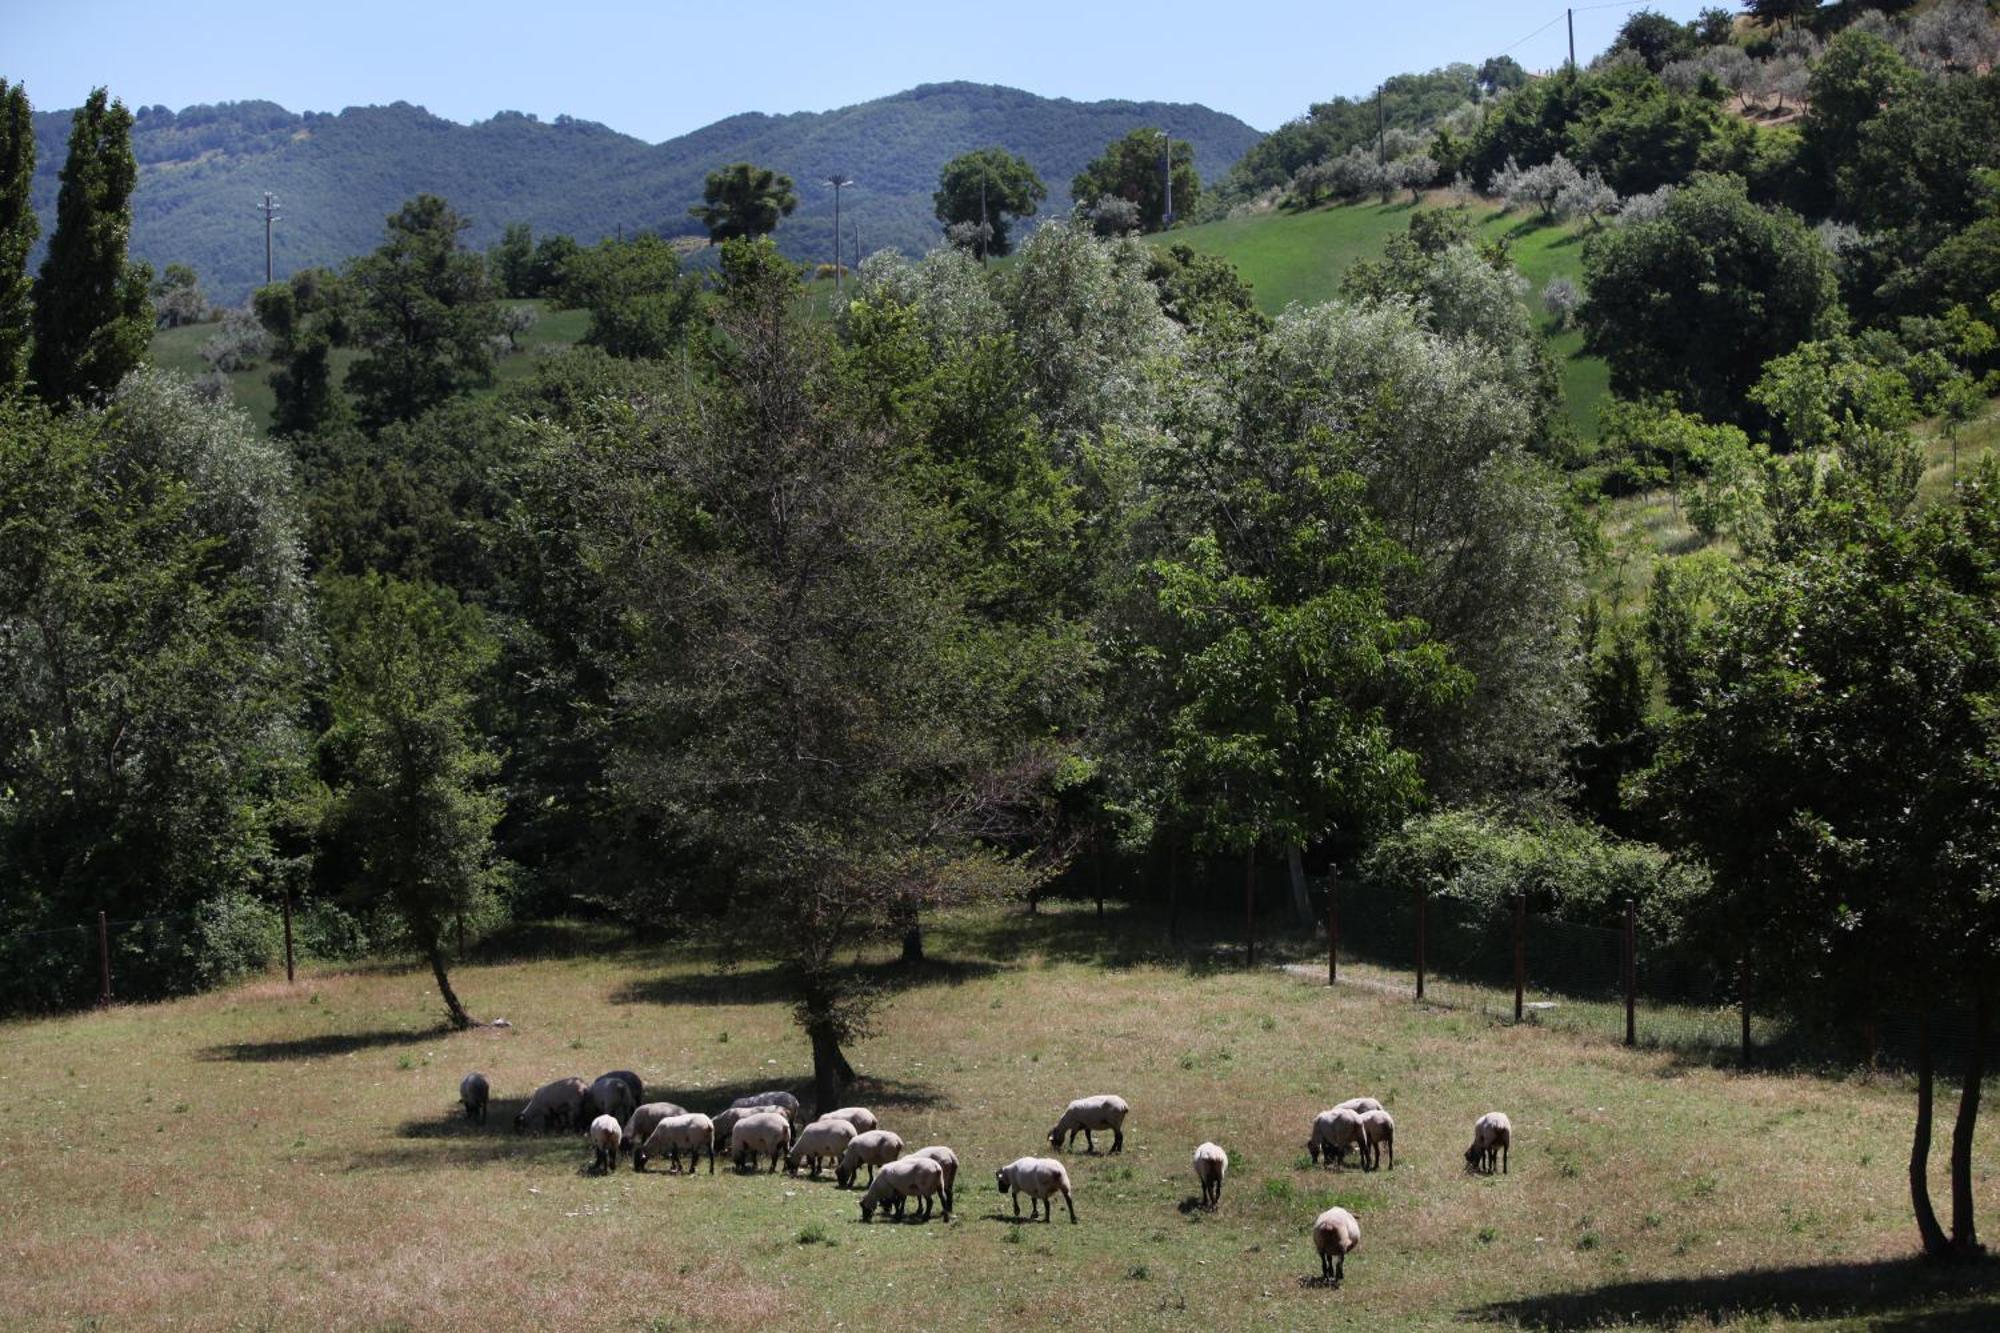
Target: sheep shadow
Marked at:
500, 1113
1326, 1283
329, 1044
1906, 1294
1192, 1205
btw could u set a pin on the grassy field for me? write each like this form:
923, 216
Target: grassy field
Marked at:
1288, 257
180, 349
290, 1156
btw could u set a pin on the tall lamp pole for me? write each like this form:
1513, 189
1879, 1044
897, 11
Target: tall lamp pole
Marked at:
1167, 172
270, 211
837, 181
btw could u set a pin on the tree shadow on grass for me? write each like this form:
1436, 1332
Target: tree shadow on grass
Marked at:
773, 984
1903, 1294
314, 1048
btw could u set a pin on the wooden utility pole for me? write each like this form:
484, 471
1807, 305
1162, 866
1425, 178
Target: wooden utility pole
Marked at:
1743, 994
1332, 927
1167, 168
1423, 911
270, 211
1570, 15
1520, 951
288, 937
1250, 901
1631, 973
103, 961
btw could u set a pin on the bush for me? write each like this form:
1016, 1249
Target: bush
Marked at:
234, 936
322, 930
1561, 298
1575, 872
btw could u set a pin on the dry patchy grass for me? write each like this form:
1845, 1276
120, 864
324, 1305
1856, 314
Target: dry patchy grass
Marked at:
290, 1157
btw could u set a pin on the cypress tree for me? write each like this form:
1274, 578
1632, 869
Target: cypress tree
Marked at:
93, 319
18, 229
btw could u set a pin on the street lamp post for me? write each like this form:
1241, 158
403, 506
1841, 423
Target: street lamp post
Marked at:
837, 181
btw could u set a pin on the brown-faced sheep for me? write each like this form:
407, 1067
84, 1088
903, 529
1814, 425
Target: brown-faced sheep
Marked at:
1492, 1135
824, 1140
1334, 1131
872, 1149
558, 1104
693, 1134
1085, 1114
860, 1117
1041, 1179
759, 1135
639, 1126
1335, 1235
947, 1159
900, 1181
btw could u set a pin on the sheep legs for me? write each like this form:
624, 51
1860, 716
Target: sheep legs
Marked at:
1068, 1203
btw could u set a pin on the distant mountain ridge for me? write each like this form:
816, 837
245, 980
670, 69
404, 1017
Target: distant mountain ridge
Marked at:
203, 171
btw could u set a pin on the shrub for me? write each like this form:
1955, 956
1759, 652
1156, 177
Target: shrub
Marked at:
234, 936
1561, 298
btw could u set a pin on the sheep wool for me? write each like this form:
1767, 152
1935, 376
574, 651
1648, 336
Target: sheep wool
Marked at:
692, 1133
948, 1160
639, 1126
1335, 1235
1085, 1114
1334, 1131
871, 1149
900, 1181
823, 1141
760, 1135
1492, 1135
860, 1117
605, 1134
1211, 1164
559, 1103
1041, 1179
473, 1092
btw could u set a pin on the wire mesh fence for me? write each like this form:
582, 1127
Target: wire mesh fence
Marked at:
143, 958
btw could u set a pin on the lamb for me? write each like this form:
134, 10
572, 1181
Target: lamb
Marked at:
948, 1160
557, 1103
1335, 1235
639, 1126
1334, 1131
870, 1149
1492, 1135
900, 1181
693, 1134
860, 1117
758, 1134
1041, 1179
605, 1134
1087, 1113
1211, 1164
611, 1095
780, 1101
473, 1091
1380, 1130
1358, 1105
824, 1139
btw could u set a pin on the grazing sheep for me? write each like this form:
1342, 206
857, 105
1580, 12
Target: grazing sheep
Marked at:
725, 1124
1086, 1114
760, 1134
611, 1095
558, 1103
1211, 1164
780, 1101
639, 1126
872, 1149
1492, 1134
1335, 1235
900, 1181
1041, 1179
824, 1139
948, 1160
693, 1134
605, 1134
473, 1091
1358, 1105
1334, 1132
632, 1081
1380, 1129
860, 1117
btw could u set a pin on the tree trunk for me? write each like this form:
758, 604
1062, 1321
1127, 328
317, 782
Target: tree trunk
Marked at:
1097, 873
459, 1018
1301, 900
913, 942
1964, 1234
827, 1076
1933, 1235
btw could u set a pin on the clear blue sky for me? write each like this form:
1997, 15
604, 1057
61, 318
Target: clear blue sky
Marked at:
662, 69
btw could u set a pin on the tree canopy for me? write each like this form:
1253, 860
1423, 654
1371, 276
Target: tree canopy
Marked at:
744, 200
987, 189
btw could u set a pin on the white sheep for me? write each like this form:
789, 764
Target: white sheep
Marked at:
824, 1140
871, 1149
1379, 1129
557, 1103
1211, 1164
725, 1123
611, 1095
948, 1160
900, 1181
639, 1126
1358, 1105
1335, 1235
1086, 1114
605, 1134
860, 1117
1334, 1131
1041, 1179
760, 1134
693, 1134
781, 1101
1492, 1135
473, 1092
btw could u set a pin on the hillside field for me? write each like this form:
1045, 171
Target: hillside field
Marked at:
292, 1156
1301, 256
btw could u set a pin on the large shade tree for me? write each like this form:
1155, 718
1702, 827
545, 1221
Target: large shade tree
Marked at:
744, 200
18, 229
980, 192
1137, 168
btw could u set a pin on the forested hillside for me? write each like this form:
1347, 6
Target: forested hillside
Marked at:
203, 171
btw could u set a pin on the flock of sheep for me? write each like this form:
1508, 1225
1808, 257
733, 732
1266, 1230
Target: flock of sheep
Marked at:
616, 1119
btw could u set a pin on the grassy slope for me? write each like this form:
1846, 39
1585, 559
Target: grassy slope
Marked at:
1289, 257
270, 1155
180, 349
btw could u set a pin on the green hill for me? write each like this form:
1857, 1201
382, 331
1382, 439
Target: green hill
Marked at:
1289, 257
203, 170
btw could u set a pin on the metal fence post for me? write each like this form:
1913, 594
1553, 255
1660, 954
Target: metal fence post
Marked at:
1631, 971
1332, 927
1423, 905
288, 937
1520, 951
103, 961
